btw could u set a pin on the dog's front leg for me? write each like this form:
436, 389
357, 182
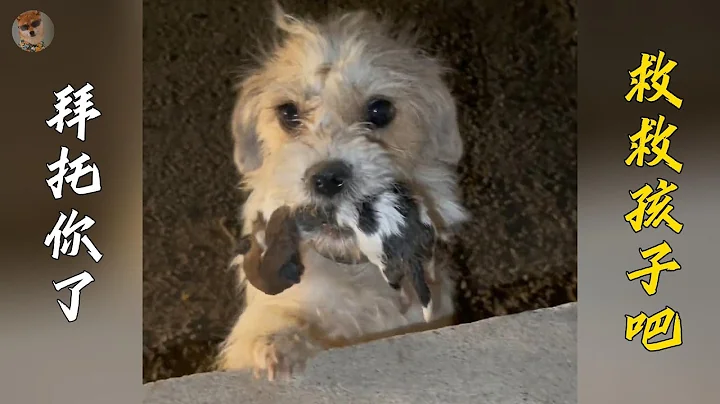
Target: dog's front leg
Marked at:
269, 337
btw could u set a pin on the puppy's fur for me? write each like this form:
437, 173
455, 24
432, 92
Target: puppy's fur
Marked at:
331, 70
31, 30
392, 230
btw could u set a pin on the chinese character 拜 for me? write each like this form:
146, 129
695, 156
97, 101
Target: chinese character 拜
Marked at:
658, 323
80, 280
644, 143
659, 77
79, 170
62, 234
654, 255
84, 110
655, 203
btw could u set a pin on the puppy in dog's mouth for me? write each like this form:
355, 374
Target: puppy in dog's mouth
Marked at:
337, 111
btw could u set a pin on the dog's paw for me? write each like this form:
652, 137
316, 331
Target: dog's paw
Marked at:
282, 354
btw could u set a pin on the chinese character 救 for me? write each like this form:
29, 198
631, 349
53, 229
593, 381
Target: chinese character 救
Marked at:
643, 143
652, 68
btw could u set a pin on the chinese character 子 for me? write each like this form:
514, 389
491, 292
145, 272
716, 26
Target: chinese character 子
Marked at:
80, 280
84, 110
650, 327
65, 228
655, 204
644, 143
78, 170
651, 68
654, 255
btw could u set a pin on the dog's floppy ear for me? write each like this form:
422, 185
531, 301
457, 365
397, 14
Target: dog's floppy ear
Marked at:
445, 140
247, 148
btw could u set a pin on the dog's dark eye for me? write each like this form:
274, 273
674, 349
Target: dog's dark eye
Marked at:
288, 115
380, 112
35, 24
24, 27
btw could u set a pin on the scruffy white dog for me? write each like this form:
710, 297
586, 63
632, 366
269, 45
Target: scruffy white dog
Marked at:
335, 111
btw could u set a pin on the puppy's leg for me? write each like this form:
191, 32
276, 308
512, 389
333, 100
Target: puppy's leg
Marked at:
372, 247
417, 274
269, 337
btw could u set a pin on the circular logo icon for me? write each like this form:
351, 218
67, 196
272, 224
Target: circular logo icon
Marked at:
33, 31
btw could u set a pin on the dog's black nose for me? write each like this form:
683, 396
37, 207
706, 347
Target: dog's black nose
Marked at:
330, 178
32, 33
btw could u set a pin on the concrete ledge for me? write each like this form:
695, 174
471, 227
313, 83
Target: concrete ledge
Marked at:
523, 358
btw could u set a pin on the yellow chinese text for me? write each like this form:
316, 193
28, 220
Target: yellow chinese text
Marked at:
650, 327
653, 207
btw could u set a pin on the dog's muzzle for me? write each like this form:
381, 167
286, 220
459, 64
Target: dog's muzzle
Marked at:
328, 178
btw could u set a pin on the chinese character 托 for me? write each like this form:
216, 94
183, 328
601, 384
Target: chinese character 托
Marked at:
79, 170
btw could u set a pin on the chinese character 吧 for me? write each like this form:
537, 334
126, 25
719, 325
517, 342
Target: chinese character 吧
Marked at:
84, 110
80, 280
652, 68
71, 246
655, 204
644, 143
79, 170
650, 327
654, 255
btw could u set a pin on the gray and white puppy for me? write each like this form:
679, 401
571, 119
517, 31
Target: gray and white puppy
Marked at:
392, 229
394, 232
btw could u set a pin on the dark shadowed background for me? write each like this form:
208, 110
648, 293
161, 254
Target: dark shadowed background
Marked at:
514, 78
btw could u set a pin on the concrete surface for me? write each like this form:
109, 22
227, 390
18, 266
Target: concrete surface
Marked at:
514, 78
523, 358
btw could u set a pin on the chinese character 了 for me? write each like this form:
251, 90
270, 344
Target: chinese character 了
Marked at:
80, 281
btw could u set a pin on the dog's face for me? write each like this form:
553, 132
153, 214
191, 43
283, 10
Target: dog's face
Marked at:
337, 111
30, 26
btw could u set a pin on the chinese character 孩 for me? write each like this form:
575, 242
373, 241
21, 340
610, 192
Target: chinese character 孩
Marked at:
650, 327
79, 170
656, 205
659, 77
644, 143
654, 255
75, 230
80, 280
84, 110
